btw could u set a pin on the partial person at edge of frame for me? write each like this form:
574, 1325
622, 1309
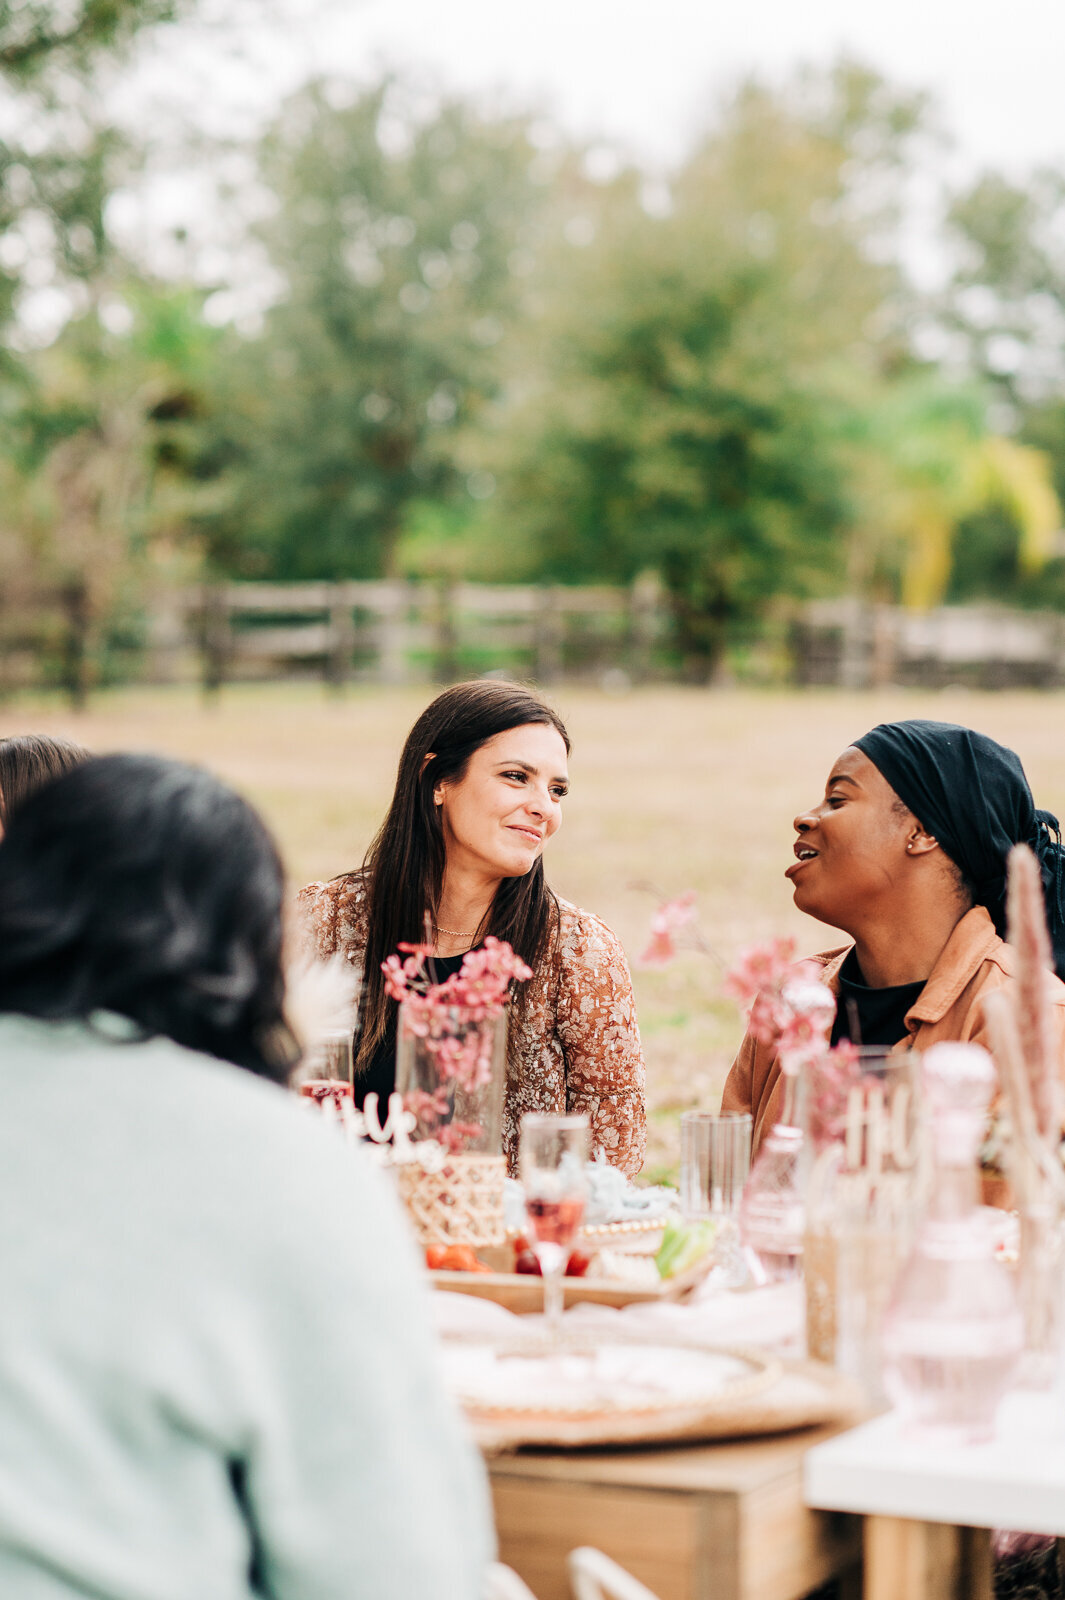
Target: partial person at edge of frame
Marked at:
216, 1375
907, 854
478, 794
28, 760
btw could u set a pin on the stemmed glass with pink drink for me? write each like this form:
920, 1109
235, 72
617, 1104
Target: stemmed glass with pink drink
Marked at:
327, 1073
552, 1158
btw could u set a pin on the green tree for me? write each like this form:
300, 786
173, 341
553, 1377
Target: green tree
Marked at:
1004, 310
930, 483
58, 158
37, 36
110, 472
1006, 300
402, 244
700, 366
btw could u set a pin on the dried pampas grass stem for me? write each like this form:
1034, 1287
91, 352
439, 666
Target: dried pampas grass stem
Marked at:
1026, 915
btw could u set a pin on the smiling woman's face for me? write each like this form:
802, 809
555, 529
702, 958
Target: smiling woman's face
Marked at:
498, 816
851, 847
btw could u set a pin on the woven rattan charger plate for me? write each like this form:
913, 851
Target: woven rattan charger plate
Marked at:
762, 1395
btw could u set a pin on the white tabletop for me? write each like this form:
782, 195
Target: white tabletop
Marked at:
1015, 1481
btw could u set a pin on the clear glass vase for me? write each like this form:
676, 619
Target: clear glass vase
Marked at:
864, 1181
451, 1072
954, 1334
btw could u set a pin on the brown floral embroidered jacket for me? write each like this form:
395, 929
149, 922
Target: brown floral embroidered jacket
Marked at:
578, 1044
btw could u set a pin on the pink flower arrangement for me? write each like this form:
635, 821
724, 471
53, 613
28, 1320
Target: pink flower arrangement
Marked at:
670, 919
791, 1009
446, 1017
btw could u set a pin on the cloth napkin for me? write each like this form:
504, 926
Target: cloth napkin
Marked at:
769, 1319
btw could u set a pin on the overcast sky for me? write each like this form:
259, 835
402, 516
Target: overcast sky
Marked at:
647, 74
643, 76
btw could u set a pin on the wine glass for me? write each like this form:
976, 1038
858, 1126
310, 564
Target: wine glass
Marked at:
326, 1075
553, 1157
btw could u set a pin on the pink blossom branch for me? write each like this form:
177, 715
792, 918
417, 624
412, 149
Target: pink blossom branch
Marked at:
447, 1016
674, 927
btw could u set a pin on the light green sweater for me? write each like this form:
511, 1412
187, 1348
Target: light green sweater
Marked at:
216, 1379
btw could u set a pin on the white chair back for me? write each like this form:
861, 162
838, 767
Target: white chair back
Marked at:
594, 1576
503, 1583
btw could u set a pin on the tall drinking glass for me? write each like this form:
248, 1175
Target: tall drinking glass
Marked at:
715, 1157
553, 1154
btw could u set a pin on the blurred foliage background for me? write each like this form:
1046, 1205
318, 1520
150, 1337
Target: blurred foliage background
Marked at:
478, 350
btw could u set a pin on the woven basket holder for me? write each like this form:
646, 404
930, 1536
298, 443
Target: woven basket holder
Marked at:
460, 1204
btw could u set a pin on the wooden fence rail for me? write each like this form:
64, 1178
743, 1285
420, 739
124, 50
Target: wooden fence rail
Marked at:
399, 632
392, 631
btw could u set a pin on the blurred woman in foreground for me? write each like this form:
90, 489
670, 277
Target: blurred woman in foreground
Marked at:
907, 854
478, 794
214, 1376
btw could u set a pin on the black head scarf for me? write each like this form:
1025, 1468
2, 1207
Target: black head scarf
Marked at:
973, 796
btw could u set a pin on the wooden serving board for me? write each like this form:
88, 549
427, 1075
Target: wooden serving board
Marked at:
523, 1293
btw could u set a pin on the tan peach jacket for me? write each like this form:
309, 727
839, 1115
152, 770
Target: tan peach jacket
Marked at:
578, 1045
974, 961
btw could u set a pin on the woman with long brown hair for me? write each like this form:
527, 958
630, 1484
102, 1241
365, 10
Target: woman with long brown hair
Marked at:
479, 792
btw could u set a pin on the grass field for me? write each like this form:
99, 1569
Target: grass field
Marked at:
672, 787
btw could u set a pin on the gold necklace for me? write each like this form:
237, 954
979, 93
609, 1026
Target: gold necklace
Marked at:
453, 933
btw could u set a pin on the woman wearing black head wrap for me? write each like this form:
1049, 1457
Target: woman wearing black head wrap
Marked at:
972, 794
907, 854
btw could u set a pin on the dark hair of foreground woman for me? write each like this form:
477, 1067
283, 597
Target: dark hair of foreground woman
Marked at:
216, 1375
404, 865
146, 887
28, 760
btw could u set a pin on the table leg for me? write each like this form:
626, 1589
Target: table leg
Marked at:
925, 1561
850, 1583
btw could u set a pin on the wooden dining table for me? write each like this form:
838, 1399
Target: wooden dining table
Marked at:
722, 1521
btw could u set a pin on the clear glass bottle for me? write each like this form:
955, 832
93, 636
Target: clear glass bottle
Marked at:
953, 1334
771, 1211
771, 1207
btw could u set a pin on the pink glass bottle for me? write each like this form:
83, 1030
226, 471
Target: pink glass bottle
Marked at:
953, 1334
